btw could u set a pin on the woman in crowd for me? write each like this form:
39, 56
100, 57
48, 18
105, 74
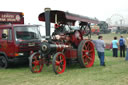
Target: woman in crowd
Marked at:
115, 47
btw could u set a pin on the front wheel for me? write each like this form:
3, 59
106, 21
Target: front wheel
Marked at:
36, 63
59, 63
3, 62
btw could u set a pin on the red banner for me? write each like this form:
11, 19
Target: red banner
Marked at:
8, 17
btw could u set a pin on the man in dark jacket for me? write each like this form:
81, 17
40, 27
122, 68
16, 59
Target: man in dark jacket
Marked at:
122, 46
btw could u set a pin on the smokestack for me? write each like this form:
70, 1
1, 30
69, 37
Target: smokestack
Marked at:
47, 22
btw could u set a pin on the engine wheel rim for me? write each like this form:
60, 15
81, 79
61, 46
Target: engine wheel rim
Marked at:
36, 63
88, 54
59, 63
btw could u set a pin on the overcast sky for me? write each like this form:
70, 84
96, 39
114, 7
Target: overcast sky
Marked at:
101, 9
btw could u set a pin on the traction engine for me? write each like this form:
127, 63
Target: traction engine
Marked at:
66, 45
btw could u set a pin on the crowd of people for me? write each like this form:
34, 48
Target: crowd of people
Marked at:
121, 45
115, 44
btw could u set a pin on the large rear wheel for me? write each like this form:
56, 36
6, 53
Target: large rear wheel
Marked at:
36, 62
86, 53
59, 63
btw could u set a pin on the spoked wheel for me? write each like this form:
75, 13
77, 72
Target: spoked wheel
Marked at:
59, 63
3, 62
87, 30
86, 53
36, 62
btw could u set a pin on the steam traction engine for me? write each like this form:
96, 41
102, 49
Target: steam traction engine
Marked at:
66, 44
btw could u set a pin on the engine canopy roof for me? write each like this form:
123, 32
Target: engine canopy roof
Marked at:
66, 17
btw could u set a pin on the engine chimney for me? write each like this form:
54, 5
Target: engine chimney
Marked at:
47, 22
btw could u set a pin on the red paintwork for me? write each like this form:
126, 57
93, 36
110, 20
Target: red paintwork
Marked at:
36, 66
76, 38
70, 53
59, 47
11, 17
60, 63
88, 53
65, 17
9, 47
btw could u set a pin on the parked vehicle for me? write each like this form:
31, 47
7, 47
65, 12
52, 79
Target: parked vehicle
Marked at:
17, 40
104, 27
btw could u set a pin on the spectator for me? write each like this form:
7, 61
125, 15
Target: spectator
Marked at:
126, 58
100, 45
122, 46
115, 47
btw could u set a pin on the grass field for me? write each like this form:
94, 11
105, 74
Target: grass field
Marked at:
109, 37
114, 73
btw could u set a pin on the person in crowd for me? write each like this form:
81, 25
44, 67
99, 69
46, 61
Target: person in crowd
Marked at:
100, 45
122, 46
115, 47
126, 58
